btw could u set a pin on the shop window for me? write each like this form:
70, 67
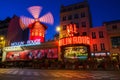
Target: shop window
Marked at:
101, 34
93, 35
83, 24
94, 47
102, 46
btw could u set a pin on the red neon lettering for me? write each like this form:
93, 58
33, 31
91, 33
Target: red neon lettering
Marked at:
80, 40
60, 42
75, 40
83, 40
71, 28
75, 30
88, 40
68, 40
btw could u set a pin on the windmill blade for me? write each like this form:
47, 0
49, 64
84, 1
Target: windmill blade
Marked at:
47, 18
35, 11
25, 21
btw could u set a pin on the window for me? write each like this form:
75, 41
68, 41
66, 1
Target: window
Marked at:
93, 35
69, 17
77, 25
82, 14
115, 41
76, 7
94, 47
114, 27
63, 10
64, 27
81, 6
64, 18
84, 33
76, 16
83, 24
102, 46
101, 34
69, 9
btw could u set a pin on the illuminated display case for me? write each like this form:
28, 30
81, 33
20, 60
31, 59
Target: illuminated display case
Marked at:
76, 52
80, 52
32, 54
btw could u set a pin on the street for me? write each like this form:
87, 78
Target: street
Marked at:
37, 74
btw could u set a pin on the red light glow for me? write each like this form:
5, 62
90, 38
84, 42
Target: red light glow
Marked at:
75, 40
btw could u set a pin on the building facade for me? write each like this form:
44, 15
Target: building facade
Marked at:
78, 39
3, 34
15, 33
113, 31
99, 44
75, 20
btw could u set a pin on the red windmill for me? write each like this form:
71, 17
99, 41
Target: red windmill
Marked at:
37, 29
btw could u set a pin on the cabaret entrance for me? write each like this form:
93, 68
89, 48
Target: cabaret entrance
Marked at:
30, 55
75, 48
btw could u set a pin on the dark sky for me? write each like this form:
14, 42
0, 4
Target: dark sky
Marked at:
101, 10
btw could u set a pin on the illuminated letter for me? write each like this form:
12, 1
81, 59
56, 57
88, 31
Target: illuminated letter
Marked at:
88, 40
68, 40
79, 40
75, 40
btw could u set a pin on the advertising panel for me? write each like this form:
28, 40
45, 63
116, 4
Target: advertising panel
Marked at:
32, 54
76, 52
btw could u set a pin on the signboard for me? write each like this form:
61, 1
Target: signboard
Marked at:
98, 54
32, 54
76, 52
74, 40
29, 42
13, 48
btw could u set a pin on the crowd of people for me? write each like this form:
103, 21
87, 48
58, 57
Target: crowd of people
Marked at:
66, 64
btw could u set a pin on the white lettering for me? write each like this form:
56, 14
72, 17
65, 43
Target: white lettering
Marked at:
29, 42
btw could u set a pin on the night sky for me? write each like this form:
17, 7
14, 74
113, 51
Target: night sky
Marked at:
101, 10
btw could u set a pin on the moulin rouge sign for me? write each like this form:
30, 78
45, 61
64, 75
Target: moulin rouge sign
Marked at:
28, 43
74, 40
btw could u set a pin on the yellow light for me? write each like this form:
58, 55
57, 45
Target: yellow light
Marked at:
58, 29
1, 38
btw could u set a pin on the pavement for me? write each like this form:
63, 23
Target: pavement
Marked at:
37, 74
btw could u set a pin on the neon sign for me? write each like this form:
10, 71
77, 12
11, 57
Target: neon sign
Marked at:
74, 40
76, 52
71, 29
13, 48
29, 42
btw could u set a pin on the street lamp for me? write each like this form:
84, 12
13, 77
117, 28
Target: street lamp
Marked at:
2, 44
58, 37
1, 38
58, 32
58, 28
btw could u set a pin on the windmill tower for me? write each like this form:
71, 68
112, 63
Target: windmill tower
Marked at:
36, 26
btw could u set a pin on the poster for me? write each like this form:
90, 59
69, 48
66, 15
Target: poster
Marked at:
76, 52
32, 54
